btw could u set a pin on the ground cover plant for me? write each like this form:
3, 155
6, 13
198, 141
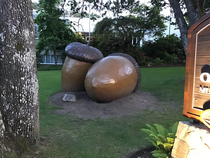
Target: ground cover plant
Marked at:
162, 139
70, 136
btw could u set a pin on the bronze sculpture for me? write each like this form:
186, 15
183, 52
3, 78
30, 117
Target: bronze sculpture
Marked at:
79, 59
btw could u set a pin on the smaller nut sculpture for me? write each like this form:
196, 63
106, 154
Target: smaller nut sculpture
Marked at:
79, 59
112, 77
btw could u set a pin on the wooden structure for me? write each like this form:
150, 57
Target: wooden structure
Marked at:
197, 79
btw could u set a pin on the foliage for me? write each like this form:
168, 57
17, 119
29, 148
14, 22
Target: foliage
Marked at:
92, 16
162, 138
161, 52
124, 33
80, 39
187, 12
108, 45
169, 49
152, 20
54, 33
49, 67
157, 61
115, 45
131, 29
115, 6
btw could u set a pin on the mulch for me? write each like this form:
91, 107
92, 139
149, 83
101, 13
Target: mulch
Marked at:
143, 153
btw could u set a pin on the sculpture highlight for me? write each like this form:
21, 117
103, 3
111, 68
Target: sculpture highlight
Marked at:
104, 79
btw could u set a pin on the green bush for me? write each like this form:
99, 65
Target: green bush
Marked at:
158, 62
49, 67
167, 48
80, 39
170, 58
162, 138
108, 45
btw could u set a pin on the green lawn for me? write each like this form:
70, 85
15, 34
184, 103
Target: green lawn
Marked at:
72, 137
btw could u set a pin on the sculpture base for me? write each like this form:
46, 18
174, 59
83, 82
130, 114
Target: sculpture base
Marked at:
193, 141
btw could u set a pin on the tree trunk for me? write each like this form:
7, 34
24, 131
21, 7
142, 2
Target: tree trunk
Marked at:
19, 106
180, 21
55, 57
192, 12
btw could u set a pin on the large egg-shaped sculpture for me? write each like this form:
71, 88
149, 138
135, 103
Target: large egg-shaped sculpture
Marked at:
112, 77
79, 58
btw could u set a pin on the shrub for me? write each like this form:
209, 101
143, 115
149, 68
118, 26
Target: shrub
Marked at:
170, 58
157, 62
165, 47
49, 67
161, 138
80, 39
108, 45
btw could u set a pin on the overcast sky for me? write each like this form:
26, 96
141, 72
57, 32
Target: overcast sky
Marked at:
35, 1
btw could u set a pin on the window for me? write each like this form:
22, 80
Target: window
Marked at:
59, 59
52, 59
48, 59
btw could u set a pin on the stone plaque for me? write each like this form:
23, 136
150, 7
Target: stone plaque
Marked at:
69, 97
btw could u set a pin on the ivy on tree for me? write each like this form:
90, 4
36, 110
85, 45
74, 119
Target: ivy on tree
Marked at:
54, 33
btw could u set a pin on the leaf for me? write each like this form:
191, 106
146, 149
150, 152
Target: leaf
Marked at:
163, 138
161, 129
171, 135
160, 144
148, 131
152, 141
152, 128
170, 140
168, 147
174, 128
155, 137
160, 137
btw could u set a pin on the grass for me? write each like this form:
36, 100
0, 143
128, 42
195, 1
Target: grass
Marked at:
66, 136
166, 83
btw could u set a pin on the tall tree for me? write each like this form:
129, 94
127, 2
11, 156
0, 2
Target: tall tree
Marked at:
144, 20
192, 9
19, 106
54, 33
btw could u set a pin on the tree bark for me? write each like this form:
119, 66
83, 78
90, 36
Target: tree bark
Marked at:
19, 105
180, 21
192, 12
55, 57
